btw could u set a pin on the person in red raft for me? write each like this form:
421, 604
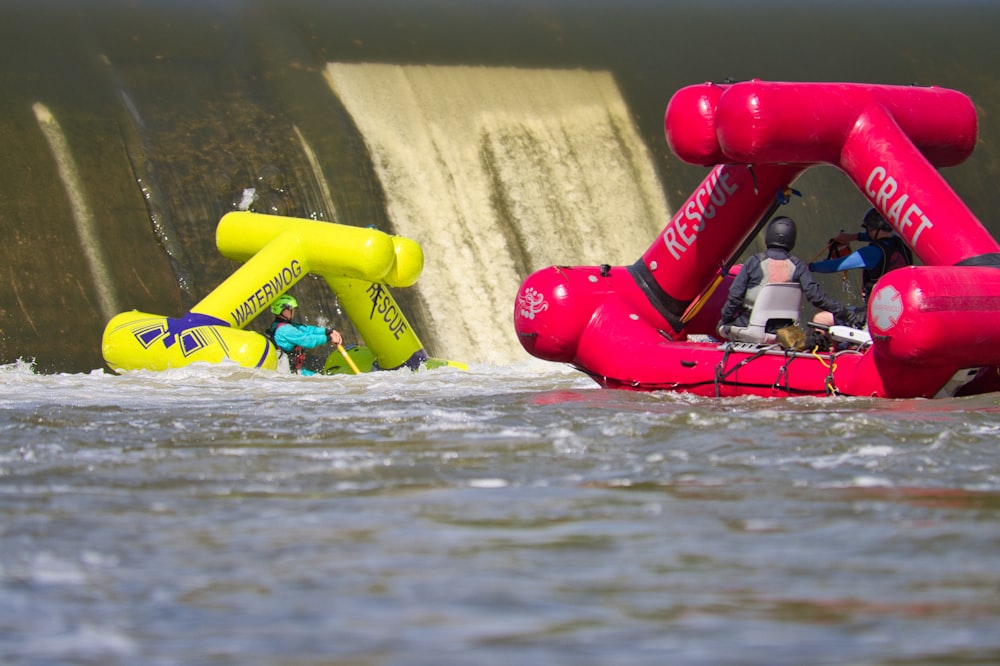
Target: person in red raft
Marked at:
885, 252
295, 338
775, 264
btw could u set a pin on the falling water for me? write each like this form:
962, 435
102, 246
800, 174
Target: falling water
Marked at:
496, 172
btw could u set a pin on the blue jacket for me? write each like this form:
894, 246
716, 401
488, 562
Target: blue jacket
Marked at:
868, 256
294, 339
876, 259
293, 335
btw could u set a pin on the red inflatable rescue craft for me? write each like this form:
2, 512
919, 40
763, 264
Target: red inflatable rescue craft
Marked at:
933, 330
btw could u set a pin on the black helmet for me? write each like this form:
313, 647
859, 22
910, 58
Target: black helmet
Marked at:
873, 221
780, 233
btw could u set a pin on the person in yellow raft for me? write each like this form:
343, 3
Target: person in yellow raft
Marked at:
295, 338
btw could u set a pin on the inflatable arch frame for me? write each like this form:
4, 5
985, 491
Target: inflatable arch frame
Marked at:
358, 264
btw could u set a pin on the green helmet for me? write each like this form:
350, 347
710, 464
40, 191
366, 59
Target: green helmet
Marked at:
283, 302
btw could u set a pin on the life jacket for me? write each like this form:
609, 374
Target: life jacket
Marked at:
895, 254
296, 355
774, 270
835, 250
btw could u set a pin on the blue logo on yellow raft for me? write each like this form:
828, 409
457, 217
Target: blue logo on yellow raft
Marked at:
189, 331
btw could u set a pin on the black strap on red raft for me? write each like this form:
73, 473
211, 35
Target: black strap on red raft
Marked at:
790, 355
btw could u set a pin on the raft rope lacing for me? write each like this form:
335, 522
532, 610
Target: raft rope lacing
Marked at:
721, 372
831, 385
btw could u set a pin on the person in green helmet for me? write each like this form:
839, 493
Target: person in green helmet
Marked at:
295, 338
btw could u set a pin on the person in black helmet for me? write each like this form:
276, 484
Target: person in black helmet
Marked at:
776, 264
885, 252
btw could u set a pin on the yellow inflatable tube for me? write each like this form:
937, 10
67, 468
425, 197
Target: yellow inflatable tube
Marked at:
280, 251
332, 250
379, 322
251, 289
139, 341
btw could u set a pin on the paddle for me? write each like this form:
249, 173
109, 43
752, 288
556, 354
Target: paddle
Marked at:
343, 352
347, 357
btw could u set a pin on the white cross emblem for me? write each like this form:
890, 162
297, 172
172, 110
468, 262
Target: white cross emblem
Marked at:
886, 308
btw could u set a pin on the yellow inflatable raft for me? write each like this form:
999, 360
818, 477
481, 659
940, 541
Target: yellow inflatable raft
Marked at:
358, 264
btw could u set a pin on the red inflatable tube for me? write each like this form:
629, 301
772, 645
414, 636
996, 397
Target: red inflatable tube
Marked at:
937, 315
689, 124
912, 196
760, 121
711, 225
809, 122
555, 305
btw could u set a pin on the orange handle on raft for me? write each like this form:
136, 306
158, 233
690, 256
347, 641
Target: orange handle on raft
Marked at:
697, 304
347, 357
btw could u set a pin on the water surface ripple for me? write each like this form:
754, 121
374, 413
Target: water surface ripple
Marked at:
505, 515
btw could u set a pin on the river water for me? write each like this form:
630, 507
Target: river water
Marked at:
511, 514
